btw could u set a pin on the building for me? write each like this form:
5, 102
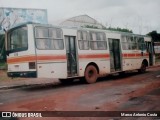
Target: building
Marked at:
81, 21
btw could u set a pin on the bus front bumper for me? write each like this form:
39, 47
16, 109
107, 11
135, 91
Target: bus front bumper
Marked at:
22, 74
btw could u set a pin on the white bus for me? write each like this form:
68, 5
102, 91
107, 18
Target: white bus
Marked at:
46, 51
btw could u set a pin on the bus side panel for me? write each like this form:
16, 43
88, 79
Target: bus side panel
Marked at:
51, 63
19, 67
52, 70
131, 64
133, 60
99, 57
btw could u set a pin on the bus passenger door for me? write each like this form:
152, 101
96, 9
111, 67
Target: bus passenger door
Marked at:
115, 55
71, 56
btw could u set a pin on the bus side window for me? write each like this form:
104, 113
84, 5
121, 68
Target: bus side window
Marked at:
101, 43
53, 36
83, 40
130, 43
57, 38
93, 43
141, 44
125, 44
41, 32
49, 38
98, 41
134, 43
148, 47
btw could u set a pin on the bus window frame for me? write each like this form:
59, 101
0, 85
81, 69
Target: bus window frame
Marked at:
9, 33
80, 40
47, 38
91, 40
135, 41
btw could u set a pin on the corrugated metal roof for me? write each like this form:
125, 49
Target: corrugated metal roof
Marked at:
81, 20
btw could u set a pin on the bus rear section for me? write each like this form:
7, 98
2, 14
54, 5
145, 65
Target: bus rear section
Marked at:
36, 50
135, 55
21, 57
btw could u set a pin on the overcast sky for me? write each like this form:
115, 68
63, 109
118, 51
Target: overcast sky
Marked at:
141, 16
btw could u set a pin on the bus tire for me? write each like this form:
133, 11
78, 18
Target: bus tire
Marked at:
91, 74
143, 68
66, 81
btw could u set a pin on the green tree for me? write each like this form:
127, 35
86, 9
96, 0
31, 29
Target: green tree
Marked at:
110, 28
2, 48
155, 36
91, 26
120, 29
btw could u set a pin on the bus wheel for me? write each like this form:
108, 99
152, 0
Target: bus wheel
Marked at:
91, 74
143, 68
66, 81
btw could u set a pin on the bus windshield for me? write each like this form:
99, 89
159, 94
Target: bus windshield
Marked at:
17, 40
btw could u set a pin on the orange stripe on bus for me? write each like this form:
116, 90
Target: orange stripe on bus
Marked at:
94, 56
138, 55
124, 55
50, 57
146, 54
34, 58
21, 59
131, 55
63, 57
134, 55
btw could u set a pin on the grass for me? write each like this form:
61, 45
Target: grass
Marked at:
4, 77
3, 73
2, 63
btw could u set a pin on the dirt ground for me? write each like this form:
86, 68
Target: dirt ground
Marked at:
131, 92
5, 78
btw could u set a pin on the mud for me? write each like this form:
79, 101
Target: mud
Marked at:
131, 92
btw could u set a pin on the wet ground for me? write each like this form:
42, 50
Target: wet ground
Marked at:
130, 92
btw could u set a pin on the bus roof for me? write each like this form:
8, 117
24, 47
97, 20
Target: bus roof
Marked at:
81, 28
